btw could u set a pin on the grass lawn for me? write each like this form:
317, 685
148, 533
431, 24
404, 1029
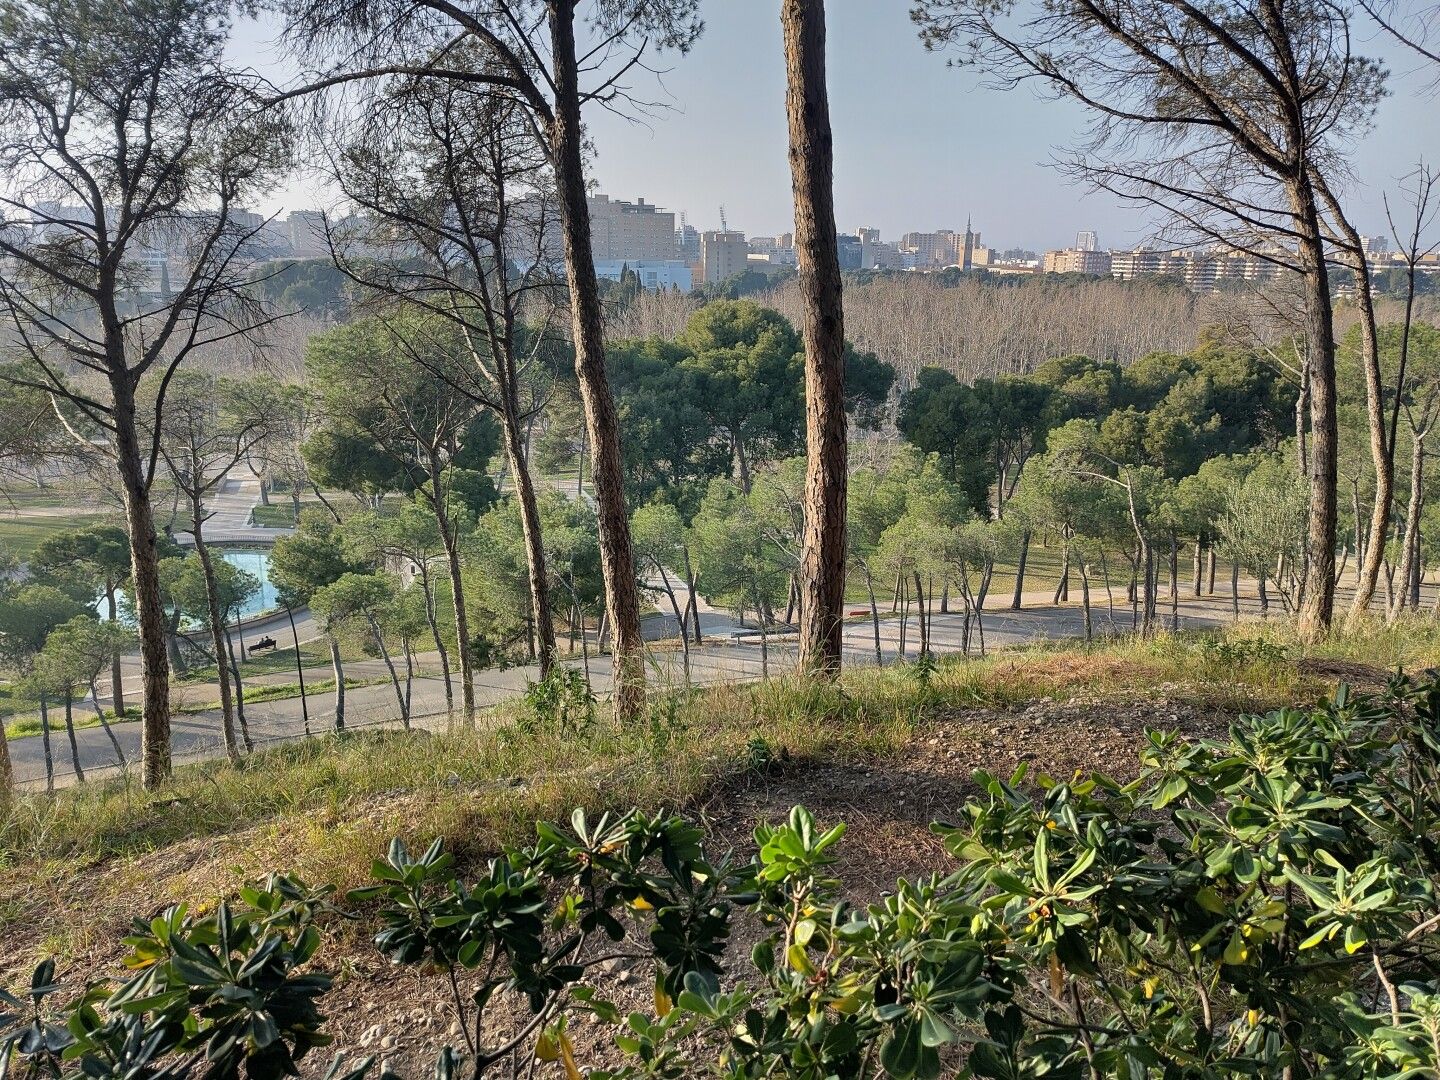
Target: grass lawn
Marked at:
275, 516
22, 534
283, 692
84, 717
274, 660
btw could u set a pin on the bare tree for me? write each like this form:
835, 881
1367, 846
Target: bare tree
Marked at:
1417, 396
126, 148
1414, 25
977, 328
32, 439
1221, 116
1345, 240
822, 561
531, 53
661, 313
209, 427
454, 193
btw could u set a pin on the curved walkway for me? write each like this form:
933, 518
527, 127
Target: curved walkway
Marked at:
728, 654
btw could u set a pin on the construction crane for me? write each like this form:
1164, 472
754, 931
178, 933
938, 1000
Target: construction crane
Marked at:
723, 226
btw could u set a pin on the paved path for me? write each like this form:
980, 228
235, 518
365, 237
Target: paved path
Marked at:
720, 659
230, 507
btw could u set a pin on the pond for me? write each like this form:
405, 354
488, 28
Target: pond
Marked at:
254, 561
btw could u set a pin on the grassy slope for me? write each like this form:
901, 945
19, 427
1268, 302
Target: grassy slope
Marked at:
79, 864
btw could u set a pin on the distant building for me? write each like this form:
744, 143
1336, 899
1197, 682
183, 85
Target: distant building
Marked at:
1087, 241
933, 250
635, 231
850, 249
687, 242
305, 232
942, 248
876, 254
1077, 261
659, 274
769, 255
722, 255
1200, 269
1374, 246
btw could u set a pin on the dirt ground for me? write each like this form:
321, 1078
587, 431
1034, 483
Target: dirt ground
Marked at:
404, 1017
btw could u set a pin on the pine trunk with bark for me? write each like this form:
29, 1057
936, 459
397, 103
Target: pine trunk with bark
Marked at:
7, 771
217, 638
45, 745
70, 735
339, 673
822, 565
602, 428
239, 690
457, 590
155, 757
1382, 452
105, 726
537, 573
117, 687
1318, 608
1016, 599
429, 590
1410, 552
390, 667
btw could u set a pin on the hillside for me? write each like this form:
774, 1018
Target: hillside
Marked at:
886, 752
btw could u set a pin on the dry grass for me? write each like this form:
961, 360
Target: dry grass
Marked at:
74, 867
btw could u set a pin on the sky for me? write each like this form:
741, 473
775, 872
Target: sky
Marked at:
918, 145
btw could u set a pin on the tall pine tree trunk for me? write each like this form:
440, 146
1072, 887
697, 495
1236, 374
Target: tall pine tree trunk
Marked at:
457, 590
105, 726
444, 653
617, 561
1015, 600
1409, 585
217, 635
1319, 606
70, 734
45, 745
1382, 453
339, 673
6, 772
822, 567
239, 692
117, 687
530, 526
145, 572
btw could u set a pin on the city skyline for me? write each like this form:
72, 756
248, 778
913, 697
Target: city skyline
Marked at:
906, 122
931, 148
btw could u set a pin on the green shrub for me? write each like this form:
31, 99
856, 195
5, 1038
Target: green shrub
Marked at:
1258, 905
561, 702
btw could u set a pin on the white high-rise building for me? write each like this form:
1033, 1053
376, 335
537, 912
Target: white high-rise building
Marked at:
1087, 240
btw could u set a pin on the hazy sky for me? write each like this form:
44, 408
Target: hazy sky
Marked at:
917, 145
